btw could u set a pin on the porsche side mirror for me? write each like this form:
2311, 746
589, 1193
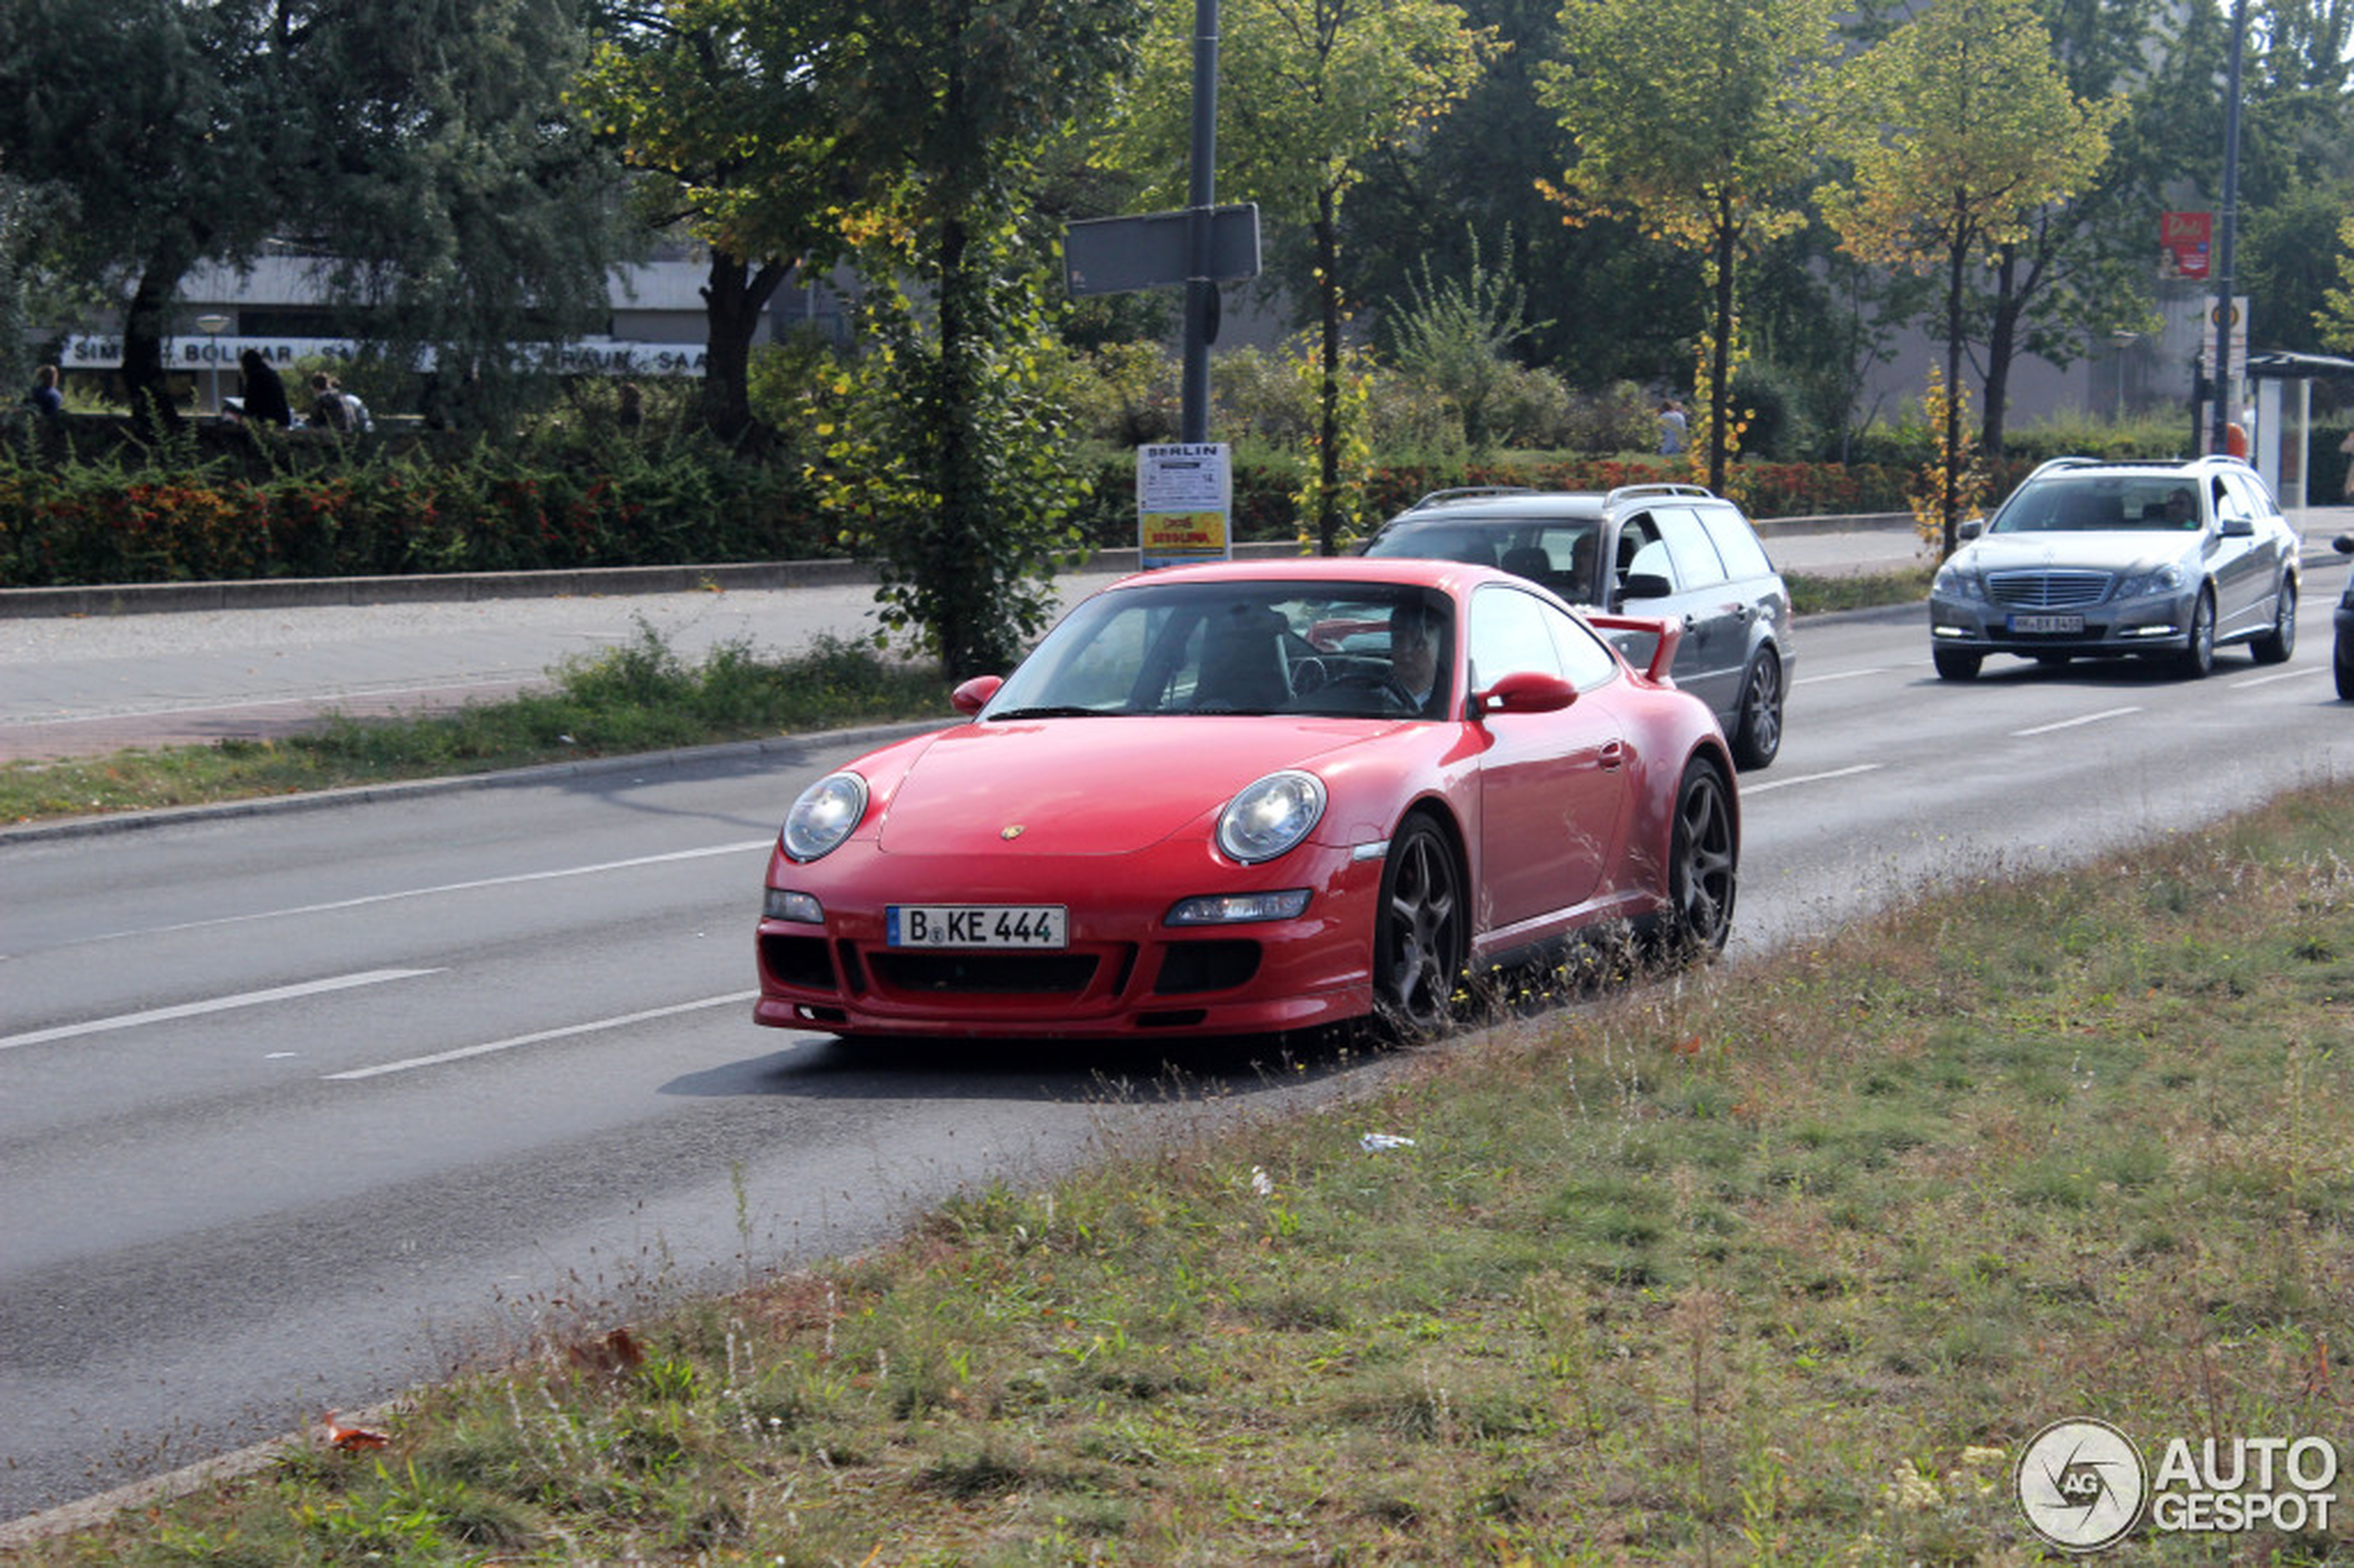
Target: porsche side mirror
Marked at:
974, 695
1525, 691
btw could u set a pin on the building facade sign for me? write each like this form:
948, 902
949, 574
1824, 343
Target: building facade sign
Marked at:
590, 355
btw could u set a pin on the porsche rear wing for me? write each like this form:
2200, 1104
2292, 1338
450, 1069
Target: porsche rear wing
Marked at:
1628, 632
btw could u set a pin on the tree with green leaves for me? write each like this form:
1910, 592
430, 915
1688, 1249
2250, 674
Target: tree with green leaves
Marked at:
416, 149
2334, 320
737, 116
1696, 119
970, 515
144, 116
2077, 269
1606, 303
1310, 93
429, 162
1454, 333
1959, 128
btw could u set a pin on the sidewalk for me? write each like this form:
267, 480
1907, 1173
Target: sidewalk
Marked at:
94, 671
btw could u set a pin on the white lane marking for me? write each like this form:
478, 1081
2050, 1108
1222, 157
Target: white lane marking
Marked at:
1748, 790
218, 1005
2071, 724
520, 877
735, 998
1842, 675
2279, 675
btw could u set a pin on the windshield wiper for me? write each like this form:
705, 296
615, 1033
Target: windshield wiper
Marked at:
1067, 710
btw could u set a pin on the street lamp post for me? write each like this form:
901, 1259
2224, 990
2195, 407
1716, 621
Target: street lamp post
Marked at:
212, 327
2123, 340
2219, 413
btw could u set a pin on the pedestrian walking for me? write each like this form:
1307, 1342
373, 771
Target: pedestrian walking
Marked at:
265, 393
1672, 427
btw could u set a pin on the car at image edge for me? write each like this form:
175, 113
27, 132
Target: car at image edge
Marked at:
1673, 552
2342, 650
1212, 802
2150, 559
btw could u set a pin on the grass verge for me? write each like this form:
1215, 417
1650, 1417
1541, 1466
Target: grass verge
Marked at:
1779, 1263
1818, 596
637, 697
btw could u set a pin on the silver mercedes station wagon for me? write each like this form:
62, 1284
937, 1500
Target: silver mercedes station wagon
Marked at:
2105, 559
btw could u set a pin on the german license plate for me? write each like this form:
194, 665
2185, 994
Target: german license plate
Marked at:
2030, 625
976, 925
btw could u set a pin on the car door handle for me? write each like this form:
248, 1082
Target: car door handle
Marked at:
1614, 755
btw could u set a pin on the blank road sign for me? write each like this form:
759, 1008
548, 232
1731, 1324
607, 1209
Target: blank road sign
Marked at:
1116, 255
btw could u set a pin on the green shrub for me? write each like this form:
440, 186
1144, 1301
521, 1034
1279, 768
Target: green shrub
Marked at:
486, 509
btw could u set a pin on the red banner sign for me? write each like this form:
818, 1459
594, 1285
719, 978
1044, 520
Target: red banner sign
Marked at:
2182, 240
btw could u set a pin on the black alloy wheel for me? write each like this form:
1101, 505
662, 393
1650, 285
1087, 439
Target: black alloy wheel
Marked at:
2275, 645
1702, 865
1757, 735
1419, 939
2198, 658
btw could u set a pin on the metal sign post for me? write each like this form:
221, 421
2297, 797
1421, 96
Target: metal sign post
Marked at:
2221, 413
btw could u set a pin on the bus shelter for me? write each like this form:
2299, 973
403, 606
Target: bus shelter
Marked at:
2280, 443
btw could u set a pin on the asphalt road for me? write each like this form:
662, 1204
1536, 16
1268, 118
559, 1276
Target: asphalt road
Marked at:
299, 1108
81, 685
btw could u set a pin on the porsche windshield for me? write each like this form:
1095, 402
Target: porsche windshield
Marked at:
1375, 651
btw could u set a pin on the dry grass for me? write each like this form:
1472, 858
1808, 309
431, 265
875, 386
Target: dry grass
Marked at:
1778, 1264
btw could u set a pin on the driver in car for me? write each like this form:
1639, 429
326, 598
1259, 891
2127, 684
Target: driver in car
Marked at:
1413, 651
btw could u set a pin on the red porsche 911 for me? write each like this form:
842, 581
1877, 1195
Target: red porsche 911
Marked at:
1244, 798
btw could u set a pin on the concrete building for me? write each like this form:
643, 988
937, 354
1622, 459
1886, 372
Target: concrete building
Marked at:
280, 308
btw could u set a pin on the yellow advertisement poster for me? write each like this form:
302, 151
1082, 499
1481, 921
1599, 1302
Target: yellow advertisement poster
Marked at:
1190, 533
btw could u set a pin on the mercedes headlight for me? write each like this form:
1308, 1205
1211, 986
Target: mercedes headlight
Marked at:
1271, 816
2166, 580
1955, 581
824, 816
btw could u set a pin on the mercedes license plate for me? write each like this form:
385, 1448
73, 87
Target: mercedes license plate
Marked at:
2028, 625
976, 925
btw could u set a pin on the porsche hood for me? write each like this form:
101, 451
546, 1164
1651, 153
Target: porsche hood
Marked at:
1094, 786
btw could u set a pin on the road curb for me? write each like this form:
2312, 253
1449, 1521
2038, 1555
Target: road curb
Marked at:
784, 747
465, 587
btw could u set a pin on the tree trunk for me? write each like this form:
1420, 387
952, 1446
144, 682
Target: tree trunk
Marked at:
146, 323
966, 646
2002, 347
1328, 392
1949, 499
1720, 370
734, 294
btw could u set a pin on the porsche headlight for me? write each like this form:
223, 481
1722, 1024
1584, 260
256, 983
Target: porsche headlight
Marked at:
1271, 816
824, 816
2166, 580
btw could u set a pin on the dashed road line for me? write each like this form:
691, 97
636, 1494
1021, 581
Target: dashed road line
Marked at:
734, 998
2072, 723
217, 1005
